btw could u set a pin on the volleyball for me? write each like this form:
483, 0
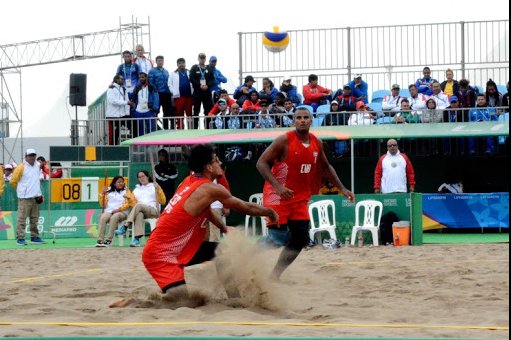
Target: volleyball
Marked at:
275, 41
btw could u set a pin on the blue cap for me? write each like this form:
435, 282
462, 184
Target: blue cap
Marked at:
212, 58
453, 99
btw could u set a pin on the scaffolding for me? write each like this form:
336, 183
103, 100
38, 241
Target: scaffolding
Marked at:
14, 57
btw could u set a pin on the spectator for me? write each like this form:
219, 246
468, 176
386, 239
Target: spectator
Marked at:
165, 174
25, 180
453, 114
425, 84
347, 101
450, 86
417, 100
144, 64
148, 197
481, 113
252, 104
493, 97
234, 121
432, 114
392, 102
220, 117
505, 98
393, 171
159, 78
315, 95
406, 115
115, 200
287, 115
129, 72
362, 116
290, 90
117, 108
225, 96
44, 173
241, 93
466, 94
147, 104
8, 171
202, 78
218, 76
269, 92
359, 88
182, 90
264, 119
441, 99
335, 117
56, 170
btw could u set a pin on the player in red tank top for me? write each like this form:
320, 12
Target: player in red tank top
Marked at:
293, 166
178, 239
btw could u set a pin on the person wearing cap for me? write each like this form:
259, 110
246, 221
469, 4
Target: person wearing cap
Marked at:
335, 117
25, 180
8, 171
144, 64
290, 90
264, 119
315, 95
425, 84
362, 116
182, 90
392, 101
225, 96
220, 117
453, 113
147, 105
159, 77
241, 93
219, 78
202, 78
359, 88
346, 99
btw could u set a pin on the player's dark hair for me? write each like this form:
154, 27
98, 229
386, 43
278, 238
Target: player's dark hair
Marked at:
200, 156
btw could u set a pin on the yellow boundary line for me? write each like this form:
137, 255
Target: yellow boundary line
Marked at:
241, 323
35, 278
392, 262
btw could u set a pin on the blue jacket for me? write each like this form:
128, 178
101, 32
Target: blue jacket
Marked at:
159, 78
153, 102
219, 78
483, 114
360, 90
292, 93
271, 96
130, 72
424, 85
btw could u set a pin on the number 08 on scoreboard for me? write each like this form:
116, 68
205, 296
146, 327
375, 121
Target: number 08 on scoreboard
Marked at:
69, 190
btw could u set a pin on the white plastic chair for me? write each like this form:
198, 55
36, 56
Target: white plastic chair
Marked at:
371, 220
325, 223
257, 199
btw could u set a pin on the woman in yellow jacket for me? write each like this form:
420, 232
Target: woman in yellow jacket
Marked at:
115, 200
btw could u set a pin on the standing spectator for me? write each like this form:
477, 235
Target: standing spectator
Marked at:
25, 180
359, 88
147, 104
117, 108
441, 99
315, 95
148, 197
115, 199
144, 64
290, 90
269, 92
182, 90
202, 79
493, 97
241, 93
129, 72
165, 174
2, 180
159, 78
8, 171
482, 113
393, 171
450, 86
219, 78
392, 102
425, 84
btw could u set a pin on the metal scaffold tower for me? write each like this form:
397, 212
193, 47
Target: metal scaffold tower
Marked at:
14, 57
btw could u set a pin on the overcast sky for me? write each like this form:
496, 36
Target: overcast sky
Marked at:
185, 28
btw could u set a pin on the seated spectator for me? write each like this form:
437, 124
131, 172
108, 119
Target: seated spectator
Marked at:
335, 117
417, 100
453, 114
149, 196
287, 115
264, 119
505, 97
115, 199
450, 86
234, 121
251, 105
359, 88
277, 106
431, 114
392, 102
441, 99
220, 118
290, 90
44, 173
493, 97
482, 113
466, 94
315, 95
225, 96
269, 92
406, 116
425, 84
347, 102
241, 93
362, 116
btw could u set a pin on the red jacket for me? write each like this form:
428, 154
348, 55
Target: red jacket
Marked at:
216, 109
313, 94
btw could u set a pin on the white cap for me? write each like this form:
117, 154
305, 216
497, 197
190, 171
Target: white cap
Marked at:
8, 166
30, 152
357, 75
286, 77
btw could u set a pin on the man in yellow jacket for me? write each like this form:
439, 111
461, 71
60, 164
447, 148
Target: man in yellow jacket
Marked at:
25, 180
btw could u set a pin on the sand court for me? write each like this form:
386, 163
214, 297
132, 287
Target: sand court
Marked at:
455, 290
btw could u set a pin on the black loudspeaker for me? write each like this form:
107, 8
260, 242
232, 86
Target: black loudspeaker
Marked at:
77, 89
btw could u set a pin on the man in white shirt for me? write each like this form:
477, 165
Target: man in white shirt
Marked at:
393, 171
392, 102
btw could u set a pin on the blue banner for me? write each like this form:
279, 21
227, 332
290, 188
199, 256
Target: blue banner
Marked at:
490, 210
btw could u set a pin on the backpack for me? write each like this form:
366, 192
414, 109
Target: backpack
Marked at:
386, 227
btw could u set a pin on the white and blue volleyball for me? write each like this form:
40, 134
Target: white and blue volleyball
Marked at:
275, 41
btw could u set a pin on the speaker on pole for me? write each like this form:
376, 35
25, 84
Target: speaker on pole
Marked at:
78, 89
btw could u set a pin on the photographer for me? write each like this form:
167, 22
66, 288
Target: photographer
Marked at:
25, 180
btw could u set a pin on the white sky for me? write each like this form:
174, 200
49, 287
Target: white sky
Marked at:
183, 29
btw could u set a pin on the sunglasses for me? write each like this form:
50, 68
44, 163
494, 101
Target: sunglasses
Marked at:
391, 145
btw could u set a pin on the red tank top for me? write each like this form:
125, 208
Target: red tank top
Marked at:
178, 235
298, 171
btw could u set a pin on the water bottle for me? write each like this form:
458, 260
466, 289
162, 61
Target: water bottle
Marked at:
347, 241
360, 239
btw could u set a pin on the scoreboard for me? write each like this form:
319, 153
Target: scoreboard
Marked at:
80, 189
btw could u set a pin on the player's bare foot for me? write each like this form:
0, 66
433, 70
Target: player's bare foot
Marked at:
122, 303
